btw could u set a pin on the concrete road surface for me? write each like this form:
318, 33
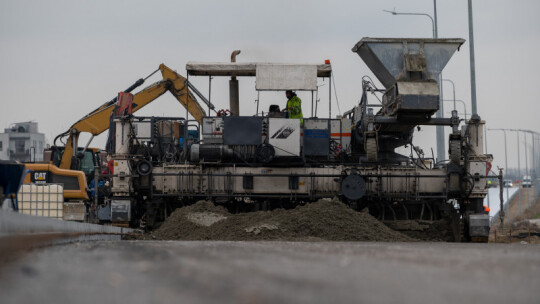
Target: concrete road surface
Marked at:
273, 272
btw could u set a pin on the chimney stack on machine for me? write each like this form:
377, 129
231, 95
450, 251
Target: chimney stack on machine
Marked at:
233, 90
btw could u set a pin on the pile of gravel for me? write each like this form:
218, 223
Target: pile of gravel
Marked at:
324, 220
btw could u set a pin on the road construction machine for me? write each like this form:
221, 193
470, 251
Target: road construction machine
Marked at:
74, 166
268, 160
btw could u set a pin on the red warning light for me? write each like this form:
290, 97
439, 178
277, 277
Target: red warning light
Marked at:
327, 61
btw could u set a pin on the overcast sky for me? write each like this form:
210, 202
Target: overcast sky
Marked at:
61, 59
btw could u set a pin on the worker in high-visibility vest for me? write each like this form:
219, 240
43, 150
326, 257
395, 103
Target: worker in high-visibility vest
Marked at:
294, 105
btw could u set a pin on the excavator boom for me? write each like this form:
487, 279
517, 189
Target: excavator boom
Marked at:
180, 91
98, 120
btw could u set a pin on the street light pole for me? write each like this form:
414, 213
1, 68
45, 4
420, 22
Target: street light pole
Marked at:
433, 22
460, 101
533, 153
537, 155
536, 162
453, 91
506, 165
534, 157
519, 172
435, 28
519, 165
439, 130
533, 138
519, 158
519, 161
486, 152
440, 113
527, 169
533, 160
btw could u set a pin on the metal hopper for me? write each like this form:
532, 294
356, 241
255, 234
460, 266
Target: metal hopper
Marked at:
391, 58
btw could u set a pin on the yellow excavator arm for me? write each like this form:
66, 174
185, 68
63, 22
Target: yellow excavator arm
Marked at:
180, 91
98, 120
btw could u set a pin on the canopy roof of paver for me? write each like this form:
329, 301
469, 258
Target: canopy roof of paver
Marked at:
240, 68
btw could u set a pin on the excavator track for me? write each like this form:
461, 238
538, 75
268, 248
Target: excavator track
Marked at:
455, 151
371, 149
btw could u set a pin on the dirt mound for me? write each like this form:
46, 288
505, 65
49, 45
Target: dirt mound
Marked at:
323, 220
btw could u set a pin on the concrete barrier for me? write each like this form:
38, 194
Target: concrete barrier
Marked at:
15, 223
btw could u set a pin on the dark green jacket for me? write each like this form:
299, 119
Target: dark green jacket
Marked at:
294, 107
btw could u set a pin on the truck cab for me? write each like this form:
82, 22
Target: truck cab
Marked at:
527, 182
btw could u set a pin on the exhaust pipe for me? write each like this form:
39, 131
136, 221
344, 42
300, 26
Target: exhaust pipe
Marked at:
234, 100
234, 54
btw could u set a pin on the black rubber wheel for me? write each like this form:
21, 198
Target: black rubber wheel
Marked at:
144, 167
265, 153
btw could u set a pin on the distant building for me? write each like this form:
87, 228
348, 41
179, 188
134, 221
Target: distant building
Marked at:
22, 142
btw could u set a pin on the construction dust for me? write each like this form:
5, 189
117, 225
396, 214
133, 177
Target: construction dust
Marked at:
324, 220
